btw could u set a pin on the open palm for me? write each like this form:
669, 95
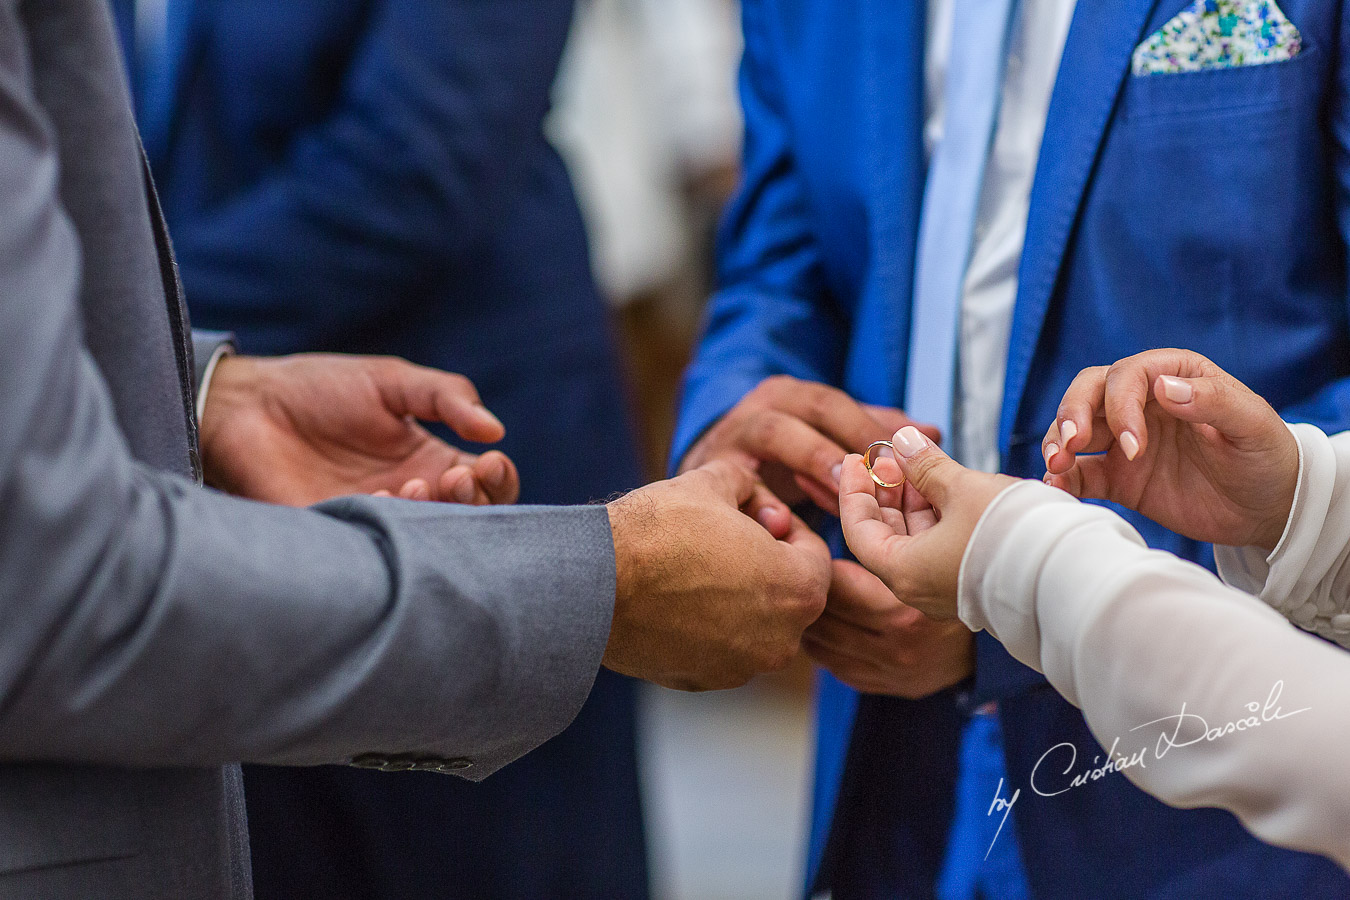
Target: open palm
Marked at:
302, 429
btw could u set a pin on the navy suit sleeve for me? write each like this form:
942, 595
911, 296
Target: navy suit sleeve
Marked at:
404, 178
773, 313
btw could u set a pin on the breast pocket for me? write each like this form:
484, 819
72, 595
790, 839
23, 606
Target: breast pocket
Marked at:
1199, 103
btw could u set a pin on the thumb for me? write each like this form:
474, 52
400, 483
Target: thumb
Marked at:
1220, 401
932, 472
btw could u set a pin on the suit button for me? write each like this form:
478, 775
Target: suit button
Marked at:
455, 765
369, 761
428, 765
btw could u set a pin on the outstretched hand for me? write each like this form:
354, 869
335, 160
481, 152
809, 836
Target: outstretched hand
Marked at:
914, 538
1181, 441
297, 430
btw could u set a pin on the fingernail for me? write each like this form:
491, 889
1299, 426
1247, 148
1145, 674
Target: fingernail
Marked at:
1050, 451
489, 419
1130, 444
909, 441
1068, 430
836, 472
1176, 390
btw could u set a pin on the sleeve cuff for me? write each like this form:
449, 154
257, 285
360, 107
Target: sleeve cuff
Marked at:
208, 349
1274, 577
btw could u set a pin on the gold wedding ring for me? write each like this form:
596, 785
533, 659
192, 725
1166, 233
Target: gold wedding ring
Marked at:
868, 461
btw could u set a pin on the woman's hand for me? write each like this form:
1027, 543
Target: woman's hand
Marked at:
1181, 441
914, 538
296, 430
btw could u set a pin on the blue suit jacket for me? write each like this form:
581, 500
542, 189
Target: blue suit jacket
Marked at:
1206, 211
372, 176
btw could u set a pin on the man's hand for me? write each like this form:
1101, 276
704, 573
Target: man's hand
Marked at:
1181, 441
794, 434
914, 538
301, 429
876, 644
716, 580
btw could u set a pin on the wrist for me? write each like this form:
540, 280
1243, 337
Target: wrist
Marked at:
231, 387
1272, 530
626, 528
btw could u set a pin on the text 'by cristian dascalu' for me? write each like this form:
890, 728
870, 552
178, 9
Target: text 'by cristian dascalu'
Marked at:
1058, 771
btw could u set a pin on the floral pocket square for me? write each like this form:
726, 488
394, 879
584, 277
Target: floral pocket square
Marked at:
1219, 34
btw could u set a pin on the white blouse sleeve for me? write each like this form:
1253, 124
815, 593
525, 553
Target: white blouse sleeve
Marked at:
1202, 695
1306, 579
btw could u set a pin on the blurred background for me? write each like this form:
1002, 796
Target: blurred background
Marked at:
648, 122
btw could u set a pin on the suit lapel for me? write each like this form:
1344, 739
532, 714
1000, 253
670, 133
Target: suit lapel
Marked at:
893, 40
1092, 73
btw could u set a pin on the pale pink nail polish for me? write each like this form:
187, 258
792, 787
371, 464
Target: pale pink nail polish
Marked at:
836, 472
1130, 444
1050, 451
910, 441
1068, 431
1176, 390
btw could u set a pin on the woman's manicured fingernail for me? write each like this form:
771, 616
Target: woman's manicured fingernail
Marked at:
836, 472
1050, 451
1068, 430
1130, 444
1176, 390
910, 441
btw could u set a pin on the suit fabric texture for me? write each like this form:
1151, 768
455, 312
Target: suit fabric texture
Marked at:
372, 176
1203, 210
156, 632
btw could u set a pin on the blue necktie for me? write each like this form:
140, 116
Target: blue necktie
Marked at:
979, 54
973, 866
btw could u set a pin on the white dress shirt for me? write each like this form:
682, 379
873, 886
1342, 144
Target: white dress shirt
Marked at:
1135, 637
1040, 29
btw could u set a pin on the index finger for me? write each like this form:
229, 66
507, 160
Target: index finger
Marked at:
732, 482
1129, 389
865, 529
435, 396
832, 412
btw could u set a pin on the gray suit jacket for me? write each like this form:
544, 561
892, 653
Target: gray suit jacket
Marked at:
152, 632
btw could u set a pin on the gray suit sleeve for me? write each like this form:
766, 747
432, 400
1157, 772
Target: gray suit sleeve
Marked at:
145, 621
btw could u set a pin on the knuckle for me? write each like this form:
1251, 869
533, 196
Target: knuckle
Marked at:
824, 459
763, 430
776, 386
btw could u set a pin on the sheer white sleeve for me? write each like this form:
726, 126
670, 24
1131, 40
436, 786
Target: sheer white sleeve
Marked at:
1201, 694
1306, 579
